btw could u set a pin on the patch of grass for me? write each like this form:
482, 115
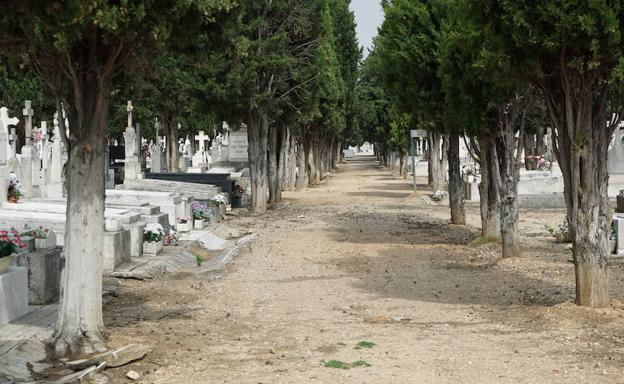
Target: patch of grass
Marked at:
482, 240
337, 364
360, 363
364, 344
199, 260
341, 344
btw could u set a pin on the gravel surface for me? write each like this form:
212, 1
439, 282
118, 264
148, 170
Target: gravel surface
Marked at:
363, 259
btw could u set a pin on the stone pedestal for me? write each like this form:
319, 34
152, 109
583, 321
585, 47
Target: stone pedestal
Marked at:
4, 184
26, 171
13, 294
182, 164
116, 249
44, 274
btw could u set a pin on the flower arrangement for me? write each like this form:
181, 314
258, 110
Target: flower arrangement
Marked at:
15, 189
184, 220
217, 201
172, 238
10, 242
543, 164
238, 190
153, 233
200, 212
37, 233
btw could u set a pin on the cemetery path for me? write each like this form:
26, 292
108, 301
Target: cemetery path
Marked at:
361, 271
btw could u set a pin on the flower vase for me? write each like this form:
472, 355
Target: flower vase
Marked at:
12, 199
199, 224
46, 243
153, 247
216, 214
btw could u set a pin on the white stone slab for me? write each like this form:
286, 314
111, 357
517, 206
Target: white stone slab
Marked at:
13, 294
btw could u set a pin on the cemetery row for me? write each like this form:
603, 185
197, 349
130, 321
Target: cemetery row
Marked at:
150, 209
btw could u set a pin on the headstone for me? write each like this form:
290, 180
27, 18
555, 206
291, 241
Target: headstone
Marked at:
615, 157
200, 159
9, 124
28, 159
13, 294
54, 188
132, 167
156, 152
238, 146
4, 167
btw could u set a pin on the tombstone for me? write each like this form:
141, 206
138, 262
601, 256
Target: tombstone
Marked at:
132, 167
199, 159
238, 146
156, 152
54, 188
4, 168
615, 156
9, 122
28, 161
44, 155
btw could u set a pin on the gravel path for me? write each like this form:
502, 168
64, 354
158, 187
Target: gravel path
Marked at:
363, 260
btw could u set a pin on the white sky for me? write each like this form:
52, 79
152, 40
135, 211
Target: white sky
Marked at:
369, 16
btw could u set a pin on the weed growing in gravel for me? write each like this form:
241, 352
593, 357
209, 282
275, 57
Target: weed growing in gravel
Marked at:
365, 344
199, 260
337, 364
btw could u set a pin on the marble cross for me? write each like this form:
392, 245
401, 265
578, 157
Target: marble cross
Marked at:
13, 141
28, 116
202, 138
129, 108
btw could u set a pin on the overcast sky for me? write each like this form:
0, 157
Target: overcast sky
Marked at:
369, 16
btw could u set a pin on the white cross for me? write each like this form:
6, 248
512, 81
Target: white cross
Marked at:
13, 141
28, 115
6, 120
202, 138
129, 109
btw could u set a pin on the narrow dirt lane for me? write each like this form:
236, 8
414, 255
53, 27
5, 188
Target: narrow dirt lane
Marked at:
363, 259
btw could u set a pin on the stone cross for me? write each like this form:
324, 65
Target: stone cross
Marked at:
28, 116
129, 108
13, 141
7, 122
202, 138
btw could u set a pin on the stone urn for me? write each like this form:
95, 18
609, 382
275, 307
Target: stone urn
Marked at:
153, 247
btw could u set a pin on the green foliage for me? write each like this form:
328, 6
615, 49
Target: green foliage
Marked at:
365, 344
337, 364
7, 248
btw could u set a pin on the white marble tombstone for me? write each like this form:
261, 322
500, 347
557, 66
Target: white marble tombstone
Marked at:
157, 153
54, 188
132, 166
27, 161
199, 159
238, 146
4, 167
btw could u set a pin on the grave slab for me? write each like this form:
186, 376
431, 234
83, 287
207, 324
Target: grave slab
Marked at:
13, 294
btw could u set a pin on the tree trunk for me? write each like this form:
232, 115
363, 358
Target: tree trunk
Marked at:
79, 328
530, 152
257, 133
284, 153
582, 136
456, 184
275, 190
505, 165
488, 195
173, 163
439, 145
302, 161
292, 164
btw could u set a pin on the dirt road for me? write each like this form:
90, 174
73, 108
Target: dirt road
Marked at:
363, 260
